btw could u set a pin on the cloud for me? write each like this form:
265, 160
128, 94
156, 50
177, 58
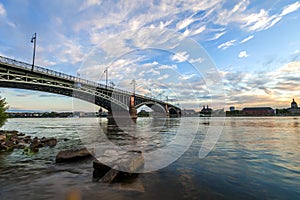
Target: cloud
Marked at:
274, 88
225, 16
184, 23
180, 56
243, 54
2, 10
199, 30
290, 8
173, 67
252, 21
226, 44
89, 3
218, 35
196, 60
260, 21
247, 39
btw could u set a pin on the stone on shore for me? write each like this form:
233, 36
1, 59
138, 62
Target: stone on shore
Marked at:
2, 137
73, 155
51, 142
114, 165
10, 140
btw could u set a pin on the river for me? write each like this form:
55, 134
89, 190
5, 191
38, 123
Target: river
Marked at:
254, 158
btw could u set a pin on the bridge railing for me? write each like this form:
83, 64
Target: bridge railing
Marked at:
43, 70
26, 66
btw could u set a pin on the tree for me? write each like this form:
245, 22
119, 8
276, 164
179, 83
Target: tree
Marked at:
3, 108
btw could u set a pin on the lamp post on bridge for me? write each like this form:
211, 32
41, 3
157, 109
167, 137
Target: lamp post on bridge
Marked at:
33, 40
106, 76
133, 82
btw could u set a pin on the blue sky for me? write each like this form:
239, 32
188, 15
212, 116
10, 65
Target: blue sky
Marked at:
254, 44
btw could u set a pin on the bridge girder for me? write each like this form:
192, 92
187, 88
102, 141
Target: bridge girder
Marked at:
16, 74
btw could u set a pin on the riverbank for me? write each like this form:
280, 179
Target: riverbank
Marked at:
10, 140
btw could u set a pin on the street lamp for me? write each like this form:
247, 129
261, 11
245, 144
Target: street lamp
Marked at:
33, 40
133, 82
106, 73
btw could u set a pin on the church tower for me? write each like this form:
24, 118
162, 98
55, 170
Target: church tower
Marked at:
294, 104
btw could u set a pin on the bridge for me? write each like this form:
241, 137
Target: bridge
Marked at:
18, 74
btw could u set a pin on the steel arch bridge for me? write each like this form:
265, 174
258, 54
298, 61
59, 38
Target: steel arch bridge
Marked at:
17, 74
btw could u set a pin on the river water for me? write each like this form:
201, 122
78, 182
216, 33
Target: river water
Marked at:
254, 158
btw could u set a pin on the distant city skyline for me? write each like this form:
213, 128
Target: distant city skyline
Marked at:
254, 44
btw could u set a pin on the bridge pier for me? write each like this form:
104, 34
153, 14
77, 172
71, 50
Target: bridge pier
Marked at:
132, 109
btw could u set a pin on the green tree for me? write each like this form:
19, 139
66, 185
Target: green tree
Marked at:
3, 108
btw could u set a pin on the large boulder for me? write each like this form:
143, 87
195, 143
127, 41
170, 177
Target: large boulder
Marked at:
73, 155
114, 165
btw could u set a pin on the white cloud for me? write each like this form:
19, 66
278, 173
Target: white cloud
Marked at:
243, 54
199, 30
252, 21
2, 10
224, 17
187, 32
218, 35
163, 25
290, 8
180, 56
260, 21
247, 39
226, 44
197, 60
184, 23
89, 3
163, 77
174, 67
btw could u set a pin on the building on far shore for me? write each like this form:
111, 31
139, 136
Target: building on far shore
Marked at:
258, 111
189, 113
294, 110
206, 111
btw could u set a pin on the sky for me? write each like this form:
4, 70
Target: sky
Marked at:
170, 48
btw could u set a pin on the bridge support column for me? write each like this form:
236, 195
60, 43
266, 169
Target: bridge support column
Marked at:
132, 110
167, 111
110, 118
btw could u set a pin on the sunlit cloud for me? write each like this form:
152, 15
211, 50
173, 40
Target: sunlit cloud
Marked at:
290, 8
243, 54
180, 56
218, 35
2, 10
184, 23
247, 39
226, 44
263, 89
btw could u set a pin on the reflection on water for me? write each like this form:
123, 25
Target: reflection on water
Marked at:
254, 158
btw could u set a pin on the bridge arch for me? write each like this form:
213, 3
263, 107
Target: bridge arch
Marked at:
17, 74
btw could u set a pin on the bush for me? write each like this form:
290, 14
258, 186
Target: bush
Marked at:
3, 114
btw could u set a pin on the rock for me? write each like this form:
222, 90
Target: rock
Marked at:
20, 145
21, 134
113, 165
51, 142
30, 150
2, 137
9, 143
27, 139
36, 143
72, 155
110, 176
